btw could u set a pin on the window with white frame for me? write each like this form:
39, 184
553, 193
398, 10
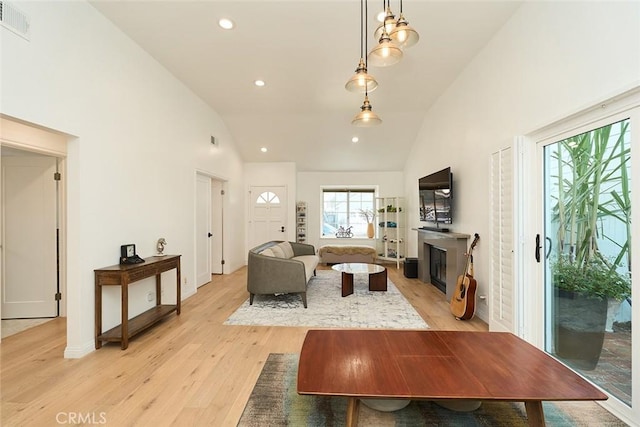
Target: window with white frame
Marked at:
346, 208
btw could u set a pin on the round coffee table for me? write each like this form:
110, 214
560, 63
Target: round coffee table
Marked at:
377, 276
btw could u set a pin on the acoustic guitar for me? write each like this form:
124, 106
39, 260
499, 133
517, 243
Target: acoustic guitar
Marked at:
463, 302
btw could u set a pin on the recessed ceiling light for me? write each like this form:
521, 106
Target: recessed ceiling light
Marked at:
355, 139
226, 24
259, 83
263, 149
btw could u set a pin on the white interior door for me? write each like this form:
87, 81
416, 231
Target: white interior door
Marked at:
203, 229
268, 214
29, 279
217, 206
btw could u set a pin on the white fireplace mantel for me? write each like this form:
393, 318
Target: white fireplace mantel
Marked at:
456, 246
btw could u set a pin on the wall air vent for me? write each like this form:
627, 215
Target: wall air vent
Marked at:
14, 19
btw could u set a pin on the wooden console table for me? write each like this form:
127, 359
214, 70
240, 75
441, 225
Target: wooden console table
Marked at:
123, 276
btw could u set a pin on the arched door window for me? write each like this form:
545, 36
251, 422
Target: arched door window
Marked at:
268, 197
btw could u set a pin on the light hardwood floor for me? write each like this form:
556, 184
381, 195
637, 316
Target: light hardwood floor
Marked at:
188, 370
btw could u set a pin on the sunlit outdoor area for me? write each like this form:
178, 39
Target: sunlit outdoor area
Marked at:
588, 255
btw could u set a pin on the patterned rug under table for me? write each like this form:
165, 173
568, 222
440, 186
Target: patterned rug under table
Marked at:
274, 401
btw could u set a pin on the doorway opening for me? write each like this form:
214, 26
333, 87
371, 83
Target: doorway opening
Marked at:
33, 236
210, 193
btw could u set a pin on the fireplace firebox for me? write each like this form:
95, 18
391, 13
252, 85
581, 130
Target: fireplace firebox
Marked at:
438, 267
454, 246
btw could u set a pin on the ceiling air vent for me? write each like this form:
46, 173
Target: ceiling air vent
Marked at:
14, 19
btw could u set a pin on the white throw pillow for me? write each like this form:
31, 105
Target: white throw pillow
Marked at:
277, 251
287, 249
268, 252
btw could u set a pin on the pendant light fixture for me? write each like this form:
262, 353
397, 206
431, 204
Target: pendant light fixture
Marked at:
388, 22
366, 117
403, 34
386, 53
362, 82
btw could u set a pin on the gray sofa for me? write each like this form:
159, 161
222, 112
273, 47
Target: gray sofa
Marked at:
278, 267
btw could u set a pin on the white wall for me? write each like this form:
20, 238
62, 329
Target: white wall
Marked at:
389, 184
549, 60
140, 136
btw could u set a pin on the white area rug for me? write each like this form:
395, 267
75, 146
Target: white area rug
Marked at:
328, 309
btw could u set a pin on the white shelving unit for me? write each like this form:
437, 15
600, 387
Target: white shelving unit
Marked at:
391, 229
301, 222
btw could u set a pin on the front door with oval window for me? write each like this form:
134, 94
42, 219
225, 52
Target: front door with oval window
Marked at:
268, 214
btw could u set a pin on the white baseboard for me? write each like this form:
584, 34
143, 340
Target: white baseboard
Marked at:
77, 352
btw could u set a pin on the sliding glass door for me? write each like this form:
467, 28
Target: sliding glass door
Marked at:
586, 253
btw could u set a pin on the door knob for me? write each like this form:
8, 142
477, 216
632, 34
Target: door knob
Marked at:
209, 235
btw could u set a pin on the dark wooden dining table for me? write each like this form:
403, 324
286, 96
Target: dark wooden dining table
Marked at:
435, 365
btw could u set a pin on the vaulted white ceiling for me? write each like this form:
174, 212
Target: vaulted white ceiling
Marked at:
305, 51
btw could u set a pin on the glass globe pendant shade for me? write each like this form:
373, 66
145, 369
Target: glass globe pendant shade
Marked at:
366, 117
388, 24
403, 34
361, 82
386, 53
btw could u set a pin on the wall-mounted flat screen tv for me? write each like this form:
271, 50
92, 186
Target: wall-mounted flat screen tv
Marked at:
436, 195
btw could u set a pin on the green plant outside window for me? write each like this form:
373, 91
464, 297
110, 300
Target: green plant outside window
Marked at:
593, 210
588, 258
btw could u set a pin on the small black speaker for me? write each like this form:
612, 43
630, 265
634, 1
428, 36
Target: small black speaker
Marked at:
411, 268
